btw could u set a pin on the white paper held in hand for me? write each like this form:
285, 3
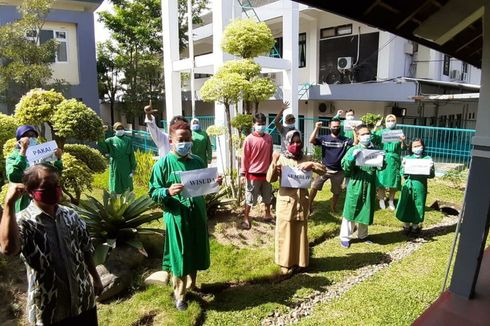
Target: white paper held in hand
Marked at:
38, 153
370, 157
392, 136
199, 182
295, 178
415, 166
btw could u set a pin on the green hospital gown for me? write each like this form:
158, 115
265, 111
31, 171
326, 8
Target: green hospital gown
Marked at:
121, 164
201, 146
16, 164
389, 177
360, 198
187, 240
411, 205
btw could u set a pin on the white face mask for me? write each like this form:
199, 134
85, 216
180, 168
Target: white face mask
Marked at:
365, 139
290, 126
33, 141
418, 150
260, 128
349, 117
195, 127
119, 133
390, 125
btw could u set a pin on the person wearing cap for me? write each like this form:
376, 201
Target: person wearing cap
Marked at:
201, 145
289, 124
16, 163
122, 160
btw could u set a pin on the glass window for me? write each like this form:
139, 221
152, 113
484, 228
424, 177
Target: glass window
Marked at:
327, 32
276, 51
343, 30
302, 50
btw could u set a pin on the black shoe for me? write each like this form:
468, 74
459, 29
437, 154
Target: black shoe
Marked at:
181, 305
407, 230
416, 230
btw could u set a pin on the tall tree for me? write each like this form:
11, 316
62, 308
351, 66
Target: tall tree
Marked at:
25, 60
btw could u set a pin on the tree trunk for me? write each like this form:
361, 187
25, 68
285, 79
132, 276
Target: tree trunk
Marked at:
256, 107
230, 153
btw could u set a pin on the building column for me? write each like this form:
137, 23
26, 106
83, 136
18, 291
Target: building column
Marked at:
173, 90
290, 30
476, 212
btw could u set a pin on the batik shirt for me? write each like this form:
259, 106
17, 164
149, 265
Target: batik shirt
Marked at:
54, 250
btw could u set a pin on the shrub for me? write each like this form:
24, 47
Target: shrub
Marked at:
145, 162
218, 200
117, 220
37, 106
94, 160
243, 122
9, 146
370, 119
75, 178
247, 38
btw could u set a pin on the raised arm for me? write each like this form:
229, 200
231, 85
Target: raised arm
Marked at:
10, 242
277, 119
159, 137
314, 134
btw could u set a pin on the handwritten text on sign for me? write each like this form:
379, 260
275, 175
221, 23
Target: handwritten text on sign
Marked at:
416, 166
392, 136
351, 124
40, 152
370, 157
295, 178
199, 182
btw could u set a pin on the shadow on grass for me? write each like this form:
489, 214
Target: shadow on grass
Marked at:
350, 262
398, 236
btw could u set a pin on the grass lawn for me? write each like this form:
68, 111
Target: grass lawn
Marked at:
243, 285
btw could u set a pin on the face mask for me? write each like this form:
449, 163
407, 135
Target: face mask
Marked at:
260, 129
418, 151
365, 139
290, 126
335, 131
32, 141
195, 127
47, 196
349, 117
119, 133
294, 149
390, 125
183, 148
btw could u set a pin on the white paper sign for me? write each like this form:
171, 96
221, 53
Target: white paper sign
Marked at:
370, 157
392, 136
38, 153
416, 166
295, 178
349, 125
199, 182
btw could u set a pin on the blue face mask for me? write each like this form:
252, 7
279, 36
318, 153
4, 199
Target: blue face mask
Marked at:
418, 151
196, 127
33, 141
260, 128
183, 148
365, 139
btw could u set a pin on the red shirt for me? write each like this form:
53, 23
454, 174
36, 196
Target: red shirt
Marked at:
257, 156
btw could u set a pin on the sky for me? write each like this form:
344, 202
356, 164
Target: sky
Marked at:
101, 33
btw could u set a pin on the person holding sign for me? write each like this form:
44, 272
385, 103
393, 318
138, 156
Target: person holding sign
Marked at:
390, 178
257, 155
17, 162
292, 208
360, 198
334, 146
411, 206
187, 241
122, 159
201, 145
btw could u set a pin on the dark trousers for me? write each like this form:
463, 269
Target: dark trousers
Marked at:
86, 318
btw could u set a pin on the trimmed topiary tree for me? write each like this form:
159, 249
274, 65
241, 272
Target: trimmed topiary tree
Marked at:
247, 38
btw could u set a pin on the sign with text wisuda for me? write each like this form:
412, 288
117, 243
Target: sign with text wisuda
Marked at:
349, 125
416, 166
370, 157
199, 182
392, 136
295, 178
38, 153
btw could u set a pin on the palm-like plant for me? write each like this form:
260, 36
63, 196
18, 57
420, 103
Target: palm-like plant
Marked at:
117, 220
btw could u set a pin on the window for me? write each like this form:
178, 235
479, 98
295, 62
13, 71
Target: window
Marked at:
445, 67
302, 50
336, 31
45, 35
276, 51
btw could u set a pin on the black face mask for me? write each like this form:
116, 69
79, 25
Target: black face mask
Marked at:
335, 131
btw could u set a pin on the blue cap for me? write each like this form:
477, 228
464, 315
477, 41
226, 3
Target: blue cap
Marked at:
23, 129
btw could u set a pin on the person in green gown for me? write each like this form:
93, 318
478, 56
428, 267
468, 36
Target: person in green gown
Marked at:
201, 144
360, 198
187, 248
389, 178
349, 115
122, 162
16, 163
411, 205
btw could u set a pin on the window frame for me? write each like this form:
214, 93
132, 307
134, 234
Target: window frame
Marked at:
335, 31
36, 38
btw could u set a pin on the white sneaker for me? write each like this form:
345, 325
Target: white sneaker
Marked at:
391, 205
382, 204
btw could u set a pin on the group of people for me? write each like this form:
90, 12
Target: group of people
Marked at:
56, 247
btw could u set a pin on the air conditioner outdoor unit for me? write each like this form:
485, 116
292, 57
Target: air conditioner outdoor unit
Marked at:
455, 74
344, 63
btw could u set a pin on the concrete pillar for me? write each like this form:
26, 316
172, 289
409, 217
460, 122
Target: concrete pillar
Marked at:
173, 92
476, 213
290, 30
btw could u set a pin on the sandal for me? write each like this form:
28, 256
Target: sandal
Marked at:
246, 225
270, 220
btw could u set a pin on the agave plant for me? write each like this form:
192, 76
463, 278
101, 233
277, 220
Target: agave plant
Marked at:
117, 220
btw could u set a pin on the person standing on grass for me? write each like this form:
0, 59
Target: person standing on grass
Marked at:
334, 146
349, 115
201, 145
360, 198
291, 235
257, 155
283, 129
389, 178
17, 163
122, 159
411, 205
56, 248
185, 218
